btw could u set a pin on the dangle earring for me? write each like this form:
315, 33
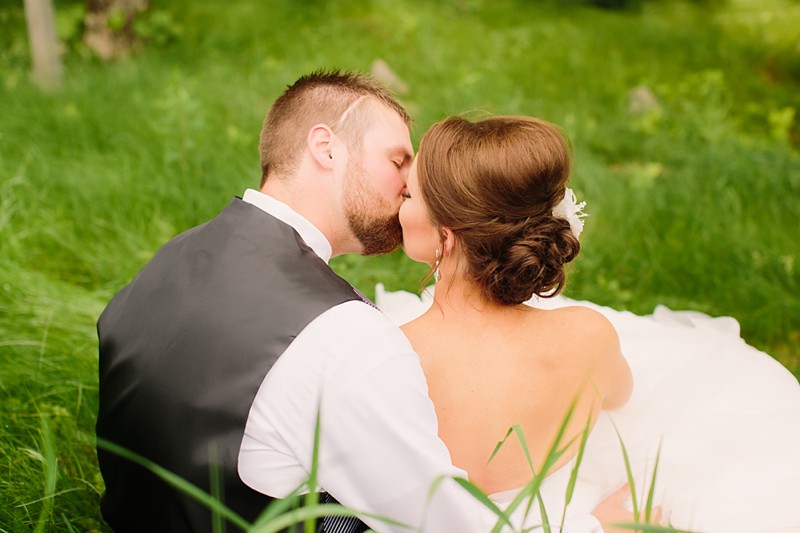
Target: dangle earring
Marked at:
436, 274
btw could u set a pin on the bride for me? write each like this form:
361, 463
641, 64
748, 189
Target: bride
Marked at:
717, 421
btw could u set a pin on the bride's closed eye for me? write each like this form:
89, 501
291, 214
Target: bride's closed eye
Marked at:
406, 195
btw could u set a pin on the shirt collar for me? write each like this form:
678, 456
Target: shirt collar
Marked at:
309, 233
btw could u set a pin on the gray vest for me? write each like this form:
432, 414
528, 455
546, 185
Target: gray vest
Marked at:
183, 351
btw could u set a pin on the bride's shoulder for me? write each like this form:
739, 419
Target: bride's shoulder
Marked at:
590, 341
583, 324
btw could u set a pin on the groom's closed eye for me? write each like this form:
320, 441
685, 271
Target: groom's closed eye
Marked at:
400, 157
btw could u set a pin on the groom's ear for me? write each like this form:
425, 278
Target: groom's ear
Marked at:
320, 145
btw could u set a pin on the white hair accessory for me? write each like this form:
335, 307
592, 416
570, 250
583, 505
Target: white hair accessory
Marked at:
572, 211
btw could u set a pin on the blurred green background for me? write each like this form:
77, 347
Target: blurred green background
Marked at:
683, 117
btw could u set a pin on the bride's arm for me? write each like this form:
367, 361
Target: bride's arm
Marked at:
619, 377
609, 370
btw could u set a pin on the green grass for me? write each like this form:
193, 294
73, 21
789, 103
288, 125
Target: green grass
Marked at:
693, 204
280, 514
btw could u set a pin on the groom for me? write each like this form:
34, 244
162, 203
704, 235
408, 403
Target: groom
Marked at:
216, 360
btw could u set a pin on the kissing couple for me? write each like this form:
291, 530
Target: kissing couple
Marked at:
240, 362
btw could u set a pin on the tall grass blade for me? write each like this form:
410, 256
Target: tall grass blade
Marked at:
68, 524
649, 528
176, 481
520, 434
573, 477
50, 466
478, 494
215, 483
500, 444
433, 488
537, 495
651, 493
524, 444
543, 512
553, 455
305, 514
277, 507
531, 492
629, 474
312, 497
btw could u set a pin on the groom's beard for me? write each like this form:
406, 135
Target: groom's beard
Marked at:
372, 219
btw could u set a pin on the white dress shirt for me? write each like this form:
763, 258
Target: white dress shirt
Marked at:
379, 447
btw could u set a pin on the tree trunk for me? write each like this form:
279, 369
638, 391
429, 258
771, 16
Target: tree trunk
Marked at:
109, 26
42, 36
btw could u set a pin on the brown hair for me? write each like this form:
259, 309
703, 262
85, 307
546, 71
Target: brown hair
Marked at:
494, 183
319, 97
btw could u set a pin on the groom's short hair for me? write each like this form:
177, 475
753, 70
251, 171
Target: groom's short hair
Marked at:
331, 97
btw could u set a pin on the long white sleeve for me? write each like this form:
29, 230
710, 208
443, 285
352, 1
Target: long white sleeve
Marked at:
379, 445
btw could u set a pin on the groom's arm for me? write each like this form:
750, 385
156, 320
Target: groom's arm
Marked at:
379, 447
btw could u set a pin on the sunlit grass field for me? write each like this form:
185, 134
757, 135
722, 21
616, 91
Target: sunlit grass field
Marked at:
692, 181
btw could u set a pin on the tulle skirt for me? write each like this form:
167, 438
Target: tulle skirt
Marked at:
721, 418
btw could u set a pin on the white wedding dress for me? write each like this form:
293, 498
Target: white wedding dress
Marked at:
725, 415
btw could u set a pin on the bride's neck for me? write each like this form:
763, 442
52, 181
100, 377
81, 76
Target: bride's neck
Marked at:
458, 297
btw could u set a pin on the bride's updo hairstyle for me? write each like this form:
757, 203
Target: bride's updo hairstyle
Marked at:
494, 183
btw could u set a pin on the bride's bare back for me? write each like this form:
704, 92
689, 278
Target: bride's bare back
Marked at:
493, 368
487, 206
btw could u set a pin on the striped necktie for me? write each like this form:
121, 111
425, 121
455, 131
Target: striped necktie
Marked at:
341, 524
